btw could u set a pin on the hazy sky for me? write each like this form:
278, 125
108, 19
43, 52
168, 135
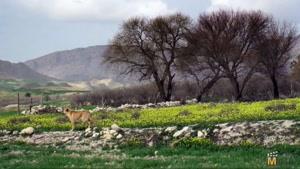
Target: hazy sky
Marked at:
32, 28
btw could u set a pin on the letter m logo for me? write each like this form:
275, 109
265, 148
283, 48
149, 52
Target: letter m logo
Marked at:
272, 161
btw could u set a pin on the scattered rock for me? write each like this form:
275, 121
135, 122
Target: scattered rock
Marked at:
119, 136
88, 130
115, 127
27, 131
15, 133
170, 129
95, 135
261, 133
184, 131
201, 133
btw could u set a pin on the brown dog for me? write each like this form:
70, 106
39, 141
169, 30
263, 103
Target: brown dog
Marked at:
75, 116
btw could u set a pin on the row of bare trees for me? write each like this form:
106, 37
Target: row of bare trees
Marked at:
225, 44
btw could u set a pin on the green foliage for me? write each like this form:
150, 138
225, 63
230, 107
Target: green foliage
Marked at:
184, 113
27, 95
135, 115
133, 142
204, 114
193, 142
281, 107
20, 155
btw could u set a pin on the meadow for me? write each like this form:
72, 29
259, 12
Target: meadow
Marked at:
19, 156
203, 114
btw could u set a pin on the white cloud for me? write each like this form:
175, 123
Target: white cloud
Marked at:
94, 10
282, 9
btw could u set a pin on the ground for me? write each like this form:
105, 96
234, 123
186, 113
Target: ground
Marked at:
27, 156
20, 155
205, 114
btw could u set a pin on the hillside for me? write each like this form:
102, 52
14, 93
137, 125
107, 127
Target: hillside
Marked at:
81, 64
10, 70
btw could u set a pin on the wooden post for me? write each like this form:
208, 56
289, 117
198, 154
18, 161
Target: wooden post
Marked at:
18, 102
42, 101
30, 104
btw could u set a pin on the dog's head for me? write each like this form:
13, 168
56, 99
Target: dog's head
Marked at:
66, 110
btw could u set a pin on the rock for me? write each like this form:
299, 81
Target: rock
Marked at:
88, 134
153, 140
106, 136
6, 132
184, 131
27, 131
115, 127
201, 133
113, 132
170, 129
95, 129
119, 136
15, 133
66, 139
95, 135
88, 130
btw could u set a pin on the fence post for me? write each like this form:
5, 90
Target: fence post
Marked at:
18, 102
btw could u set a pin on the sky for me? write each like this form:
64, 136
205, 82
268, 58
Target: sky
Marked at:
32, 28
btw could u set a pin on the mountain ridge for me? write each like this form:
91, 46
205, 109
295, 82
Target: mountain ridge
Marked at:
79, 64
9, 70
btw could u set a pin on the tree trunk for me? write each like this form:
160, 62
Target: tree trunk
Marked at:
275, 87
206, 88
236, 88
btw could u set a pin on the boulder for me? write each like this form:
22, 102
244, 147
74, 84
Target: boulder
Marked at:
119, 136
95, 135
115, 127
15, 133
201, 133
170, 129
184, 131
27, 131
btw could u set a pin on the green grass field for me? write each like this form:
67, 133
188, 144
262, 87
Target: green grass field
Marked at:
187, 155
205, 114
20, 156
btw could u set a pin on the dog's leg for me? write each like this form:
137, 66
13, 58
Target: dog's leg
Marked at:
89, 122
73, 125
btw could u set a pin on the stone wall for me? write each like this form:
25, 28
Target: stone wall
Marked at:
265, 133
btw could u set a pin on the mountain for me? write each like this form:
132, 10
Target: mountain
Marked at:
10, 70
81, 64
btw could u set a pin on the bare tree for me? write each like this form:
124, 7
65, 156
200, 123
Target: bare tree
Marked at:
274, 51
226, 40
295, 65
204, 71
148, 48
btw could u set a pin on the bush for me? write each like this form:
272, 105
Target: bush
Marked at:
226, 111
133, 142
281, 107
135, 115
20, 120
193, 142
184, 113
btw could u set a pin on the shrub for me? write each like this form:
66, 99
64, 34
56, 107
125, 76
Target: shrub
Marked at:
226, 111
280, 107
19, 120
62, 120
193, 142
133, 142
104, 115
184, 113
135, 115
